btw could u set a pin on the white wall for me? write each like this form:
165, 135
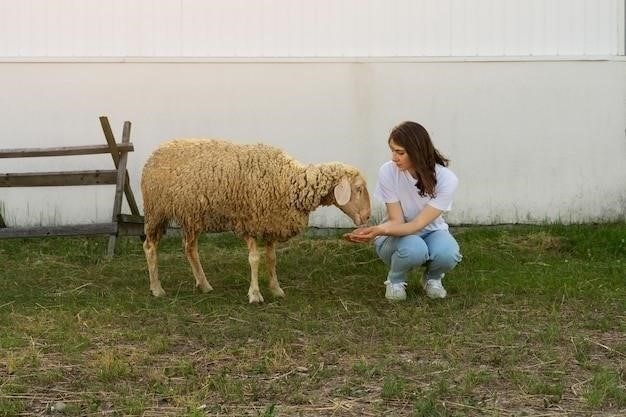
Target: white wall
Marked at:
531, 141
536, 132
305, 28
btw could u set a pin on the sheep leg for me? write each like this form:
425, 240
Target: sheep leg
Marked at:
190, 240
270, 254
254, 293
150, 249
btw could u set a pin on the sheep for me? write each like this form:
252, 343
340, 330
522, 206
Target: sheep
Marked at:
256, 191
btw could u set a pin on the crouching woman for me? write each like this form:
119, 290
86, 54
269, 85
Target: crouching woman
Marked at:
417, 187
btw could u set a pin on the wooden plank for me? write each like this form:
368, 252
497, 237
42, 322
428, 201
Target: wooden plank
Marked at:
108, 135
52, 179
63, 151
125, 229
119, 190
130, 229
130, 197
121, 225
130, 218
115, 150
70, 230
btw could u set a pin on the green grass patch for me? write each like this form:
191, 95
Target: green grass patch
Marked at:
534, 323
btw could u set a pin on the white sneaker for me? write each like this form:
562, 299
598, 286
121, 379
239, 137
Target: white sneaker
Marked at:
395, 291
433, 287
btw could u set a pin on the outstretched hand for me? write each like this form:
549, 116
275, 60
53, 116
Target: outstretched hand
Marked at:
362, 235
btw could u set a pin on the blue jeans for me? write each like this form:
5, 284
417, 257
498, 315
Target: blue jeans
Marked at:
438, 250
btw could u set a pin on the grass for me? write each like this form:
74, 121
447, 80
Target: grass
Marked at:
534, 324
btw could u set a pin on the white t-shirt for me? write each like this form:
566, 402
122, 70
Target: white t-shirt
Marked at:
395, 186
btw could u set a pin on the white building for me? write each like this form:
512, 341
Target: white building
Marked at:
527, 97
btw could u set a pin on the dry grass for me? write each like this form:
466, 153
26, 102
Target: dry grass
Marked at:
534, 325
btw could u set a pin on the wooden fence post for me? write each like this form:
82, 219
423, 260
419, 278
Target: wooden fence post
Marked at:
121, 224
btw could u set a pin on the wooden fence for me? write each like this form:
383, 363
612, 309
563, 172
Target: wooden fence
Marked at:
120, 225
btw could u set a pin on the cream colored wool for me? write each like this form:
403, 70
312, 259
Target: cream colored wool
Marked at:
256, 191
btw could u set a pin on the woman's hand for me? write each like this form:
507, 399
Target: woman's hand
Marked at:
363, 234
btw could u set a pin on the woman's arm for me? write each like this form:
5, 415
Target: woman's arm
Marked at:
395, 225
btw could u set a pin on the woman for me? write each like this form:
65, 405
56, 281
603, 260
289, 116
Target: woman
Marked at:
416, 187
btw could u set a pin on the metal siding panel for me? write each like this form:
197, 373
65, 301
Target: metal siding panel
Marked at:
422, 28
364, 34
537, 27
167, 30
293, 37
93, 31
253, 28
304, 28
268, 22
601, 25
356, 28
524, 28
428, 20
80, 21
107, 29
384, 31
457, 28
608, 27
4, 30
145, 20
24, 29
577, 35
59, 30
229, 29
132, 42
551, 44
329, 37
10, 41
406, 25
567, 36
244, 28
490, 31
120, 28
512, 45
304, 32
444, 27
217, 42
613, 28
341, 34
39, 22
279, 44
471, 28
238, 17
194, 37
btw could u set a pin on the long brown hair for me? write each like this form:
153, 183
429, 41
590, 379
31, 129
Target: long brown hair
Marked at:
414, 138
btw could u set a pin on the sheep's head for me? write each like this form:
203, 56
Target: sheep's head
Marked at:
351, 197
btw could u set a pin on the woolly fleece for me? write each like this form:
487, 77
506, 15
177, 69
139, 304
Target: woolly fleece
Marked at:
216, 186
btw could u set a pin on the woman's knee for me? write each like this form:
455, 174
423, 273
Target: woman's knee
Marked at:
413, 250
384, 249
444, 250
446, 260
409, 250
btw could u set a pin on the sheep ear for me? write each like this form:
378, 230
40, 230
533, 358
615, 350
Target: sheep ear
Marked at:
342, 191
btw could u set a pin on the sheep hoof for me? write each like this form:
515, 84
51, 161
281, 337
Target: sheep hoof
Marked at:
277, 291
255, 297
157, 291
204, 288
